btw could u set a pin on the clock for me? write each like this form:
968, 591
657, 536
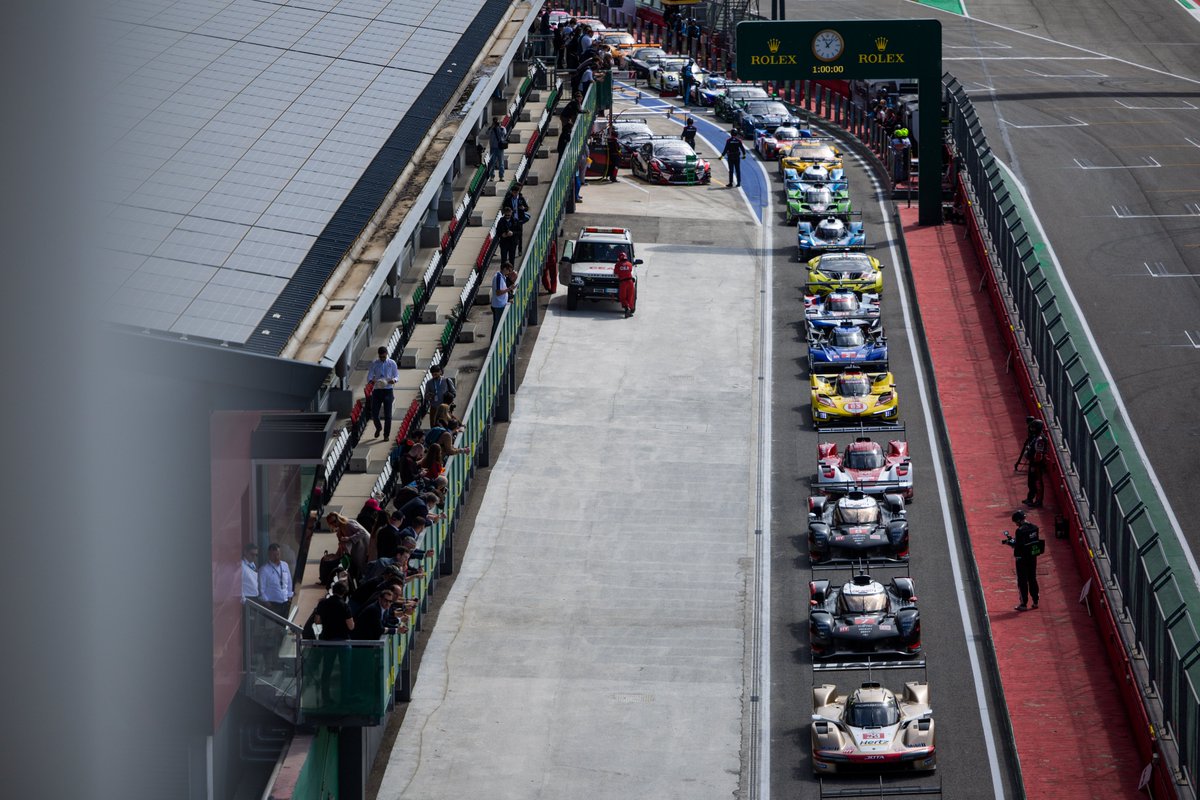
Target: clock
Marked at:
828, 44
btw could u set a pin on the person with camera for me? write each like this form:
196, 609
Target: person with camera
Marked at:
1026, 548
1033, 453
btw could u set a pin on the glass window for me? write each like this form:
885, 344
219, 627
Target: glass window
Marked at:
858, 513
848, 337
862, 603
820, 197
855, 386
865, 459
872, 715
842, 302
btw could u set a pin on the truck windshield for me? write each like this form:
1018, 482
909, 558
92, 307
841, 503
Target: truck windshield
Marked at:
604, 252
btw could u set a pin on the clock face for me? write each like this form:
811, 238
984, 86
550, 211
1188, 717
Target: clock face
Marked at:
828, 45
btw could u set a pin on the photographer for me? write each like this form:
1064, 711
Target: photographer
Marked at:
1026, 548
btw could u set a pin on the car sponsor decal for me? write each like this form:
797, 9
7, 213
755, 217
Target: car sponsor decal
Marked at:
856, 406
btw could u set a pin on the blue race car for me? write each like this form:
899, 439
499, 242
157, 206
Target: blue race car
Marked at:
766, 115
706, 91
825, 311
831, 233
850, 342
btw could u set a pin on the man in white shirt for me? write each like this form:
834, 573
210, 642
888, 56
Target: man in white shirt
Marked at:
275, 583
250, 572
384, 373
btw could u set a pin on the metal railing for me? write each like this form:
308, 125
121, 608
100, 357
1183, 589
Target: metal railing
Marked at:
1134, 554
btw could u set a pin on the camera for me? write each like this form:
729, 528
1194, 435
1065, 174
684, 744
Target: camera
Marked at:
1008, 539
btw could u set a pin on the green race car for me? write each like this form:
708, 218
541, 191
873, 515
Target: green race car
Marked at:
816, 194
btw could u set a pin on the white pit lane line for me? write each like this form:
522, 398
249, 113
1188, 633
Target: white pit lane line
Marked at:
1151, 163
1078, 123
985, 714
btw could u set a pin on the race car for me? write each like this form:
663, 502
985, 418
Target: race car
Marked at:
770, 143
618, 44
705, 92
816, 193
866, 467
846, 270
870, 729
822, 311
863, 617
854, 396
631, 132
831, 233
643, 58
858, 343
735, 95
669, 159
857, 527
664, 76
805, 153
764, 115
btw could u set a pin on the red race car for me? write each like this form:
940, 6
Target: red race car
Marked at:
865, 466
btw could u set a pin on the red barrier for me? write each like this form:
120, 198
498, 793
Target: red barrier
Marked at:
1106, 624
479, 260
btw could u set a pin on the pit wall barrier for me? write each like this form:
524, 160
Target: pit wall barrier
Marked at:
1144, 612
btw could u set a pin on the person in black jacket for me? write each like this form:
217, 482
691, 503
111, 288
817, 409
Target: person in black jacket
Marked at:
508, 234
376, 619
1026, 546
1033, 453
733, 151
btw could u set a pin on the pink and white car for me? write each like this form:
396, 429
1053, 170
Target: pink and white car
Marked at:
865, 466
771, 145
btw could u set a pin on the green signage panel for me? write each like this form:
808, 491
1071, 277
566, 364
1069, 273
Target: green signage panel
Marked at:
810, 49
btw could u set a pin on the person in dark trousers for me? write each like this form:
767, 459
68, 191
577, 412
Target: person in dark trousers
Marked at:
1033, 453
497, 141
689, 133
613, 155
383, 375
508, 234
333, 615
502, 283
733, 152
1026, 547
685, 81
515, 199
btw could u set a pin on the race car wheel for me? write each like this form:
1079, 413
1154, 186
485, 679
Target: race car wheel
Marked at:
572, 299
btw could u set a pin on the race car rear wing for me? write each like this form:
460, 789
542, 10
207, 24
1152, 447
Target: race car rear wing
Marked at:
859, 661
860, 427
874, 787
833, 367
845, 487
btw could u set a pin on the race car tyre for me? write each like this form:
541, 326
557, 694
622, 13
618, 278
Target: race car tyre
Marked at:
572, 299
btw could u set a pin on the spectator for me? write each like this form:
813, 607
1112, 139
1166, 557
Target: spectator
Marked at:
444, 439
432, 465
733, 152
250, 572
502, 283
544, 22
410, 463
353, 540
420, 507
497, 141
570, 111
507, 234
627, 286
333, 615
409, 538
371, 516
515, 199
900, 146
443, 417
689, 133
275, 583
377, 618
686, 78
585, 160
440, 389
581, 81
383, 374
387, 539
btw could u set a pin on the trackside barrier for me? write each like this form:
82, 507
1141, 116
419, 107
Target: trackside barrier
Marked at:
1145, 613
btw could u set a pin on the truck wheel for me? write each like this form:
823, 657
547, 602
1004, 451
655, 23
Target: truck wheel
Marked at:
572, 299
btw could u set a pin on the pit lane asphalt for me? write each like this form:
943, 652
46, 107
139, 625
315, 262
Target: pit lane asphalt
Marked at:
962, 745
1038, 70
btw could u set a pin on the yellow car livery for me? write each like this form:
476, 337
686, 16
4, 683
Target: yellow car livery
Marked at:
854, 396
806, 152
851, 270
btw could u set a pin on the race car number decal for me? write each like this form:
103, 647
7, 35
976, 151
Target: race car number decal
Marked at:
869, 736
855, 406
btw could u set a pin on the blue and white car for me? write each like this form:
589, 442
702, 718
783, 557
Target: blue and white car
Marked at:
826, 311
862, 344
706, 90
766, 115
831, 233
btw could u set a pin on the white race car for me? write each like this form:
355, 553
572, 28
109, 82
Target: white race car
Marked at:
869, 729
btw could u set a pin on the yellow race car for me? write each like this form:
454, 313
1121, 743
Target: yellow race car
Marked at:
854, 396
806, 152
851, 270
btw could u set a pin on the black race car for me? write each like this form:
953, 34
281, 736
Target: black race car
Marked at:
864, 617
856, 528
763, 115
667, 159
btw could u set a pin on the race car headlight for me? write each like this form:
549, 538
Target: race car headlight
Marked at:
826, 400
887, 397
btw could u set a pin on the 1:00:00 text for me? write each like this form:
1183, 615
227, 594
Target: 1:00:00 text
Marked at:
825, 69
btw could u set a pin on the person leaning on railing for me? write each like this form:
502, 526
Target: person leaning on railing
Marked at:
353, 540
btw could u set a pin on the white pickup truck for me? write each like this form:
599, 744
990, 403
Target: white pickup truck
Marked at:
591, 258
